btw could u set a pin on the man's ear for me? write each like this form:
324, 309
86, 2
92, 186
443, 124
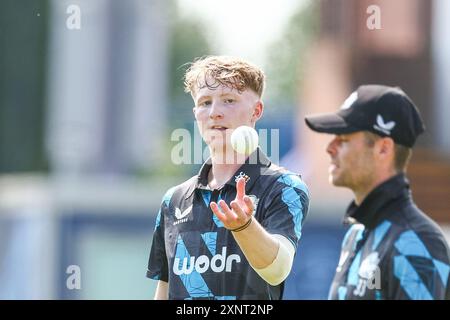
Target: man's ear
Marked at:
386, 146
385, 150
258, 111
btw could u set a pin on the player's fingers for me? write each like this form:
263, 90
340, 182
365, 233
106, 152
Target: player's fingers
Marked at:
241, 215
215, 209
240, 188
250, 206
226, 210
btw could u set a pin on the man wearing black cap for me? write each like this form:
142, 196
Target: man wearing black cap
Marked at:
392, 250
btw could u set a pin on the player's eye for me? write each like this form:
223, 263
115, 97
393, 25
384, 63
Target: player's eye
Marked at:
204, 103
229, 101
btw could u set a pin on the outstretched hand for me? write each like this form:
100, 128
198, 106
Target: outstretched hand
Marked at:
241, 208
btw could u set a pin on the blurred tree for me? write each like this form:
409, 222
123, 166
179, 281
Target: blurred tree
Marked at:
23, 37
188, 40
286, 55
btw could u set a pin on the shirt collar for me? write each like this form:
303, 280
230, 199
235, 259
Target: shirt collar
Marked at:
369, 213
253, 167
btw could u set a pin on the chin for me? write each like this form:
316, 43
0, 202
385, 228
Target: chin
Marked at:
216, 142
335, 181
220, 147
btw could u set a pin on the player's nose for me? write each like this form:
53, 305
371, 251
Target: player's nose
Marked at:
332, 147
215, 111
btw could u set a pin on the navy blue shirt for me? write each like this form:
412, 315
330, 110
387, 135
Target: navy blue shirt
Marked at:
392, 250
199, 257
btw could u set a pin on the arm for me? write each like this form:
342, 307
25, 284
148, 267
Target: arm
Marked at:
162, 291
270, 255
259, 247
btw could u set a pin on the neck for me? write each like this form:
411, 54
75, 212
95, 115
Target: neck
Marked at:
224, 166
360, 195
362, 192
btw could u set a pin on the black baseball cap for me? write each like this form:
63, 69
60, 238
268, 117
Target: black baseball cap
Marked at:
386, 111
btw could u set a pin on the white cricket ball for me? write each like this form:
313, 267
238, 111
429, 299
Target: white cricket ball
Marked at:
244, 140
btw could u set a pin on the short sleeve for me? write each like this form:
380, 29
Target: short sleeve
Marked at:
157, 262
288, 207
